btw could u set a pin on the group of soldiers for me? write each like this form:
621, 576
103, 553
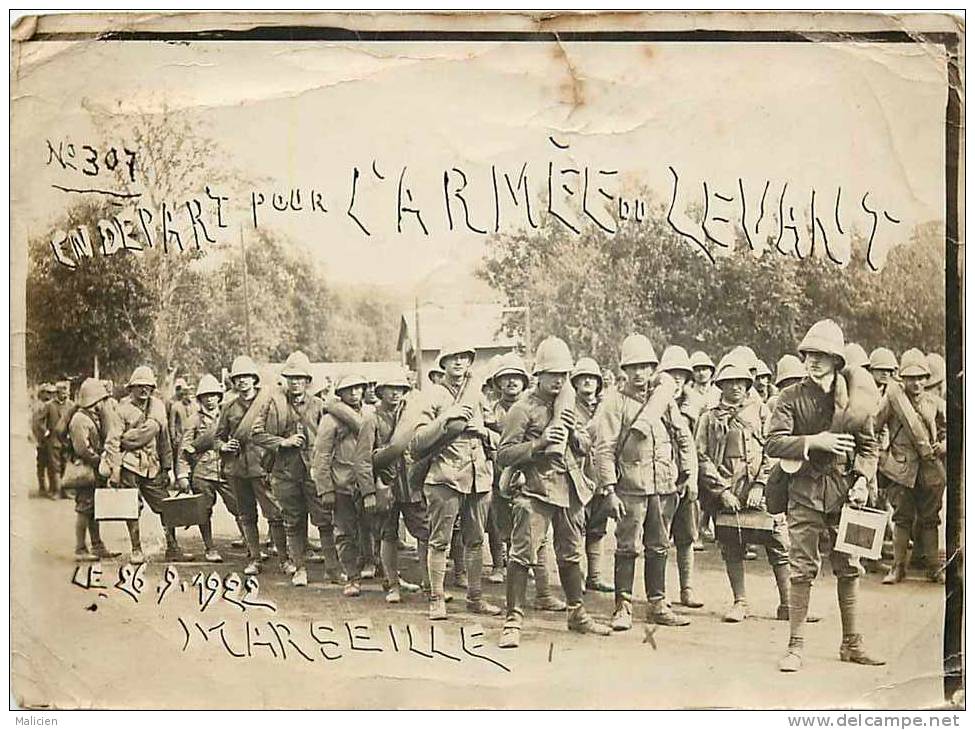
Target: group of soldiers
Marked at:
538, 459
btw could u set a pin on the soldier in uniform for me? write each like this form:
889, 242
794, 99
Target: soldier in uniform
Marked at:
836, 451
699, 395
676, 363
43, 442
936, 383
287, 427
180, 410
912, 470
510, 380
147, 455
734, 470
587, 379
883, 366
436, 373
198, 461
93, 429
59, 412
379, 467
334, 473
638, 461
544, 442
763, 380
243, 459
450, 440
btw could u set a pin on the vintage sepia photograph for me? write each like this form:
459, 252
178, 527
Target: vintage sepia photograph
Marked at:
427, 361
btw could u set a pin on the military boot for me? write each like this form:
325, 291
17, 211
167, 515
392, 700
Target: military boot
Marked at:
582, 623
851, 650
516, 586
658, 612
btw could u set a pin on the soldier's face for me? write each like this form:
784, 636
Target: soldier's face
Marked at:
551, 383
763, 381
609, 378
62, 395
297, 386
702, 374
353, 396
819, 364
882, 377
210, 401
733, 391
244, 383
638, 375
914, 384
457, 365
141, 393
680, 376
511, 385
586, 384
391, 397
436, 378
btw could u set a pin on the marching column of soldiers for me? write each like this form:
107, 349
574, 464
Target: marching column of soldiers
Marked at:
667, 449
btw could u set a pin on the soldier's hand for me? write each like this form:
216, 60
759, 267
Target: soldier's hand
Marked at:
328, 499
231, 447
369, 503
840, 444
459, 411
939, 449
858, 492
189, 449
183, 484
171, 477
729, 501
615, 507
555, 434
754, 498
569, 419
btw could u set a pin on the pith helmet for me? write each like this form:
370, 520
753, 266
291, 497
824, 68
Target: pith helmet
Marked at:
936, 364
350, 381
456, 348
209, 385
181, 383
587, 366
675, 359
90, 392
763, 369
789, 367
553, 356
701, 359
637, 350
48, 388
733, 369
510, 364
914, 364
856, 356
243, 365
746, 355
827, 337
883, 359
142, 375
738, 356
434, 369
297, 366
393, 379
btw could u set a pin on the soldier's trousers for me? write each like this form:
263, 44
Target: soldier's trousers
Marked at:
349, 523
807, 527
531, 520
299, 500
686, 520
251, 492
444, 505
647, 521
597, 517
210, 488
48, 477
777, 548
920, 502
414, 516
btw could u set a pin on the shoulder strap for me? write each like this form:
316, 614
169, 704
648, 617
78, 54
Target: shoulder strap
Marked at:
625, 433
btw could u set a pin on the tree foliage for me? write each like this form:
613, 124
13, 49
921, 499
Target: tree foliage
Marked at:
593, 289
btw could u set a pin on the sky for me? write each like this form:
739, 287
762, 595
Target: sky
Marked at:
843, 119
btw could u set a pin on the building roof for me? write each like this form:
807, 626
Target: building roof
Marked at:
480, 324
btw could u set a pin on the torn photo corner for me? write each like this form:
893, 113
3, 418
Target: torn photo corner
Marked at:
465, 331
